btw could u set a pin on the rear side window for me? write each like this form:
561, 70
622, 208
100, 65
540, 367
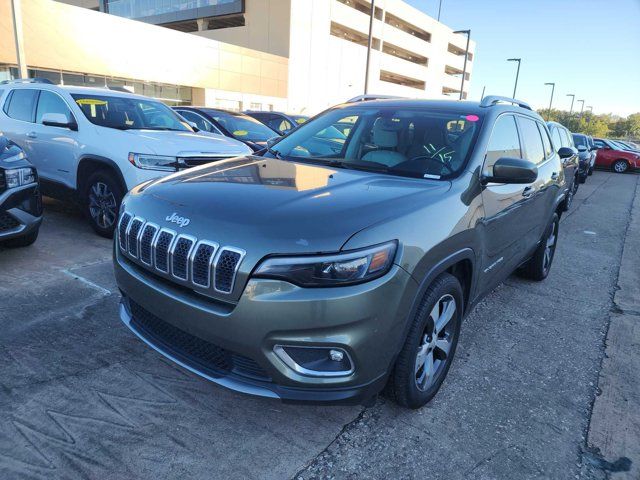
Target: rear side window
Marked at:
22, 104
555, 136
599, 143
548, 149
567, 141
49, 102
531, 140
504, 141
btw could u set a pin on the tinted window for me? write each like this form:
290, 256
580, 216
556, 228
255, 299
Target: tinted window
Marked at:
504, 141
22, 103
279, 124
49, 102
242, 127
202, 123
580, 140
129, 113
555, 137
546, 141
531, 140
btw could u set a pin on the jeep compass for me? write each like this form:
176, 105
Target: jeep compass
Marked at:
326, 270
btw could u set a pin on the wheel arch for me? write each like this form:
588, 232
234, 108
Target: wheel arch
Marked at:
89, 164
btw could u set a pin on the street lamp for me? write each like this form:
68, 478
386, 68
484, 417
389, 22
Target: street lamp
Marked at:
466, 55
439, 9
366, 73
582, 107
553, 88
573, 97
517, 73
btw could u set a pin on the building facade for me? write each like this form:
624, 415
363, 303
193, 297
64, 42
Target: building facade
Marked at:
297, 55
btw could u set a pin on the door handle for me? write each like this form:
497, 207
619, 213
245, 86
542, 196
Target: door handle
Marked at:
32, 135
528, 191
555, 175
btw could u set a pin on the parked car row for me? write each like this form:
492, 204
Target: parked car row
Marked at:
616, 155
323, 265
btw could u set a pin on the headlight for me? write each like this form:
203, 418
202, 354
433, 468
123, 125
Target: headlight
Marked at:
331, 270
153, 162
16, 177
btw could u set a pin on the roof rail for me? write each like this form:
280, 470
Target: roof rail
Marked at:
492, 100
28, 80
371, 96
121, 88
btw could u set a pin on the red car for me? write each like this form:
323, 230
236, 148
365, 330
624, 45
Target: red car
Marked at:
612, 156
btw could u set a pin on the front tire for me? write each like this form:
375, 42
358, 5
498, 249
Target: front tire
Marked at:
620, 166
102, 197
538, 267
425, 358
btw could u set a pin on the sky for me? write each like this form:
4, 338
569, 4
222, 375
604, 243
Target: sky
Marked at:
587, 47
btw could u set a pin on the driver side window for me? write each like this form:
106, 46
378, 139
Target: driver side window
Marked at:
202, 124
504, 142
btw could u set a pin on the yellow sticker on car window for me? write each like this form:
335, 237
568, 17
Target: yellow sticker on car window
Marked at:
301, 120
240, 133
90, 101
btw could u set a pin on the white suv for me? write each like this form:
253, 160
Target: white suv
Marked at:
96, 144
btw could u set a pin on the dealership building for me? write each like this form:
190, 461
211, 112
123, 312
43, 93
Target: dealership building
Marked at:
300, 56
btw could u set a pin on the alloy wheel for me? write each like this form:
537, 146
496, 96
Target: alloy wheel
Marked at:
435, 343
549, 248
102, 205
620, 166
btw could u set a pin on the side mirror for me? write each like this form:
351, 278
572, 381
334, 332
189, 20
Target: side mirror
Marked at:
582, 148
58, 120
512, 170
272, 141
566, 152
193, 125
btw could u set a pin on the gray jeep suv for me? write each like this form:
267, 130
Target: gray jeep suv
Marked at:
325, 270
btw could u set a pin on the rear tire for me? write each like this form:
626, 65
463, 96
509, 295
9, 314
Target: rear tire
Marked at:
590, 171
620, 166
101, 202
538, 266
425, 358
23, 241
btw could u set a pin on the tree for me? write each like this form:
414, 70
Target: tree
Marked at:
603, 125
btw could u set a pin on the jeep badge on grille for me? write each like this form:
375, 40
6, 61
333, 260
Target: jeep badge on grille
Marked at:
175, 218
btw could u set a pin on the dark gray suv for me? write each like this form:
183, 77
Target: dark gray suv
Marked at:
325, 270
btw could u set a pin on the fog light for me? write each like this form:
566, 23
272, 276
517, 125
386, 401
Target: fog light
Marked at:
315, 361
336, 355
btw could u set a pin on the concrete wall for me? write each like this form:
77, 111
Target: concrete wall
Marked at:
266, 27
63, 37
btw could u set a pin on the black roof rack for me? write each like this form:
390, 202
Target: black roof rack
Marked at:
491, 100
28, 80
372, 96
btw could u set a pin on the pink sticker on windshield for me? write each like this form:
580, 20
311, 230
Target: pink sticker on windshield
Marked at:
472, 118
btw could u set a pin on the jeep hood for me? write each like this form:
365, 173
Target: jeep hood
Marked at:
269, 206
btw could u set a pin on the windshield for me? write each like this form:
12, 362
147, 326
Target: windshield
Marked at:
242, 127
411, 142
579, 140
127, 113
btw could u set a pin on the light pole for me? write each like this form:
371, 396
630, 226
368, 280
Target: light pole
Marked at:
466, 55
483, 89
553, 88
581, 108
439, 9
517, 73
16, 9
366, 73
573, 97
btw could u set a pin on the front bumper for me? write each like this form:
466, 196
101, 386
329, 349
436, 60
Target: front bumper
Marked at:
20, 211
367, 321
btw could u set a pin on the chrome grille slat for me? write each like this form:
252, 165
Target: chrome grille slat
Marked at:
132, 236
161, 249
180, 255
123, 226
201, 264
147, 237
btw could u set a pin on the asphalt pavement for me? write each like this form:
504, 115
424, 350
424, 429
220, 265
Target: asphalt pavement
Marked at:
536, 390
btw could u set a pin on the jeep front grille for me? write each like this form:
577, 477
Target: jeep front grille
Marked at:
202, 264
